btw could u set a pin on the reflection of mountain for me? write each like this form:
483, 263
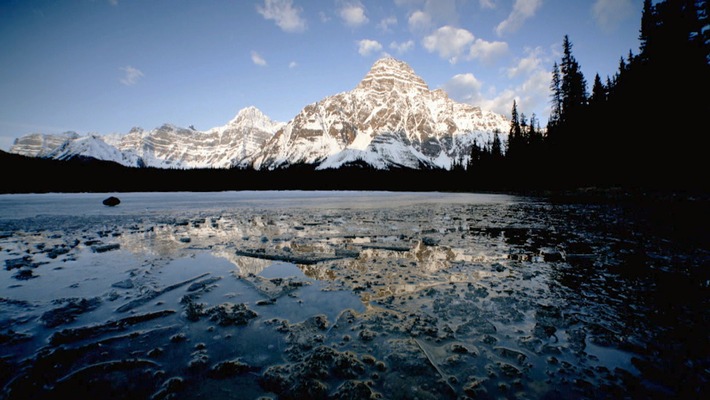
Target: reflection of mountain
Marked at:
225, 237
219, 236
246, 265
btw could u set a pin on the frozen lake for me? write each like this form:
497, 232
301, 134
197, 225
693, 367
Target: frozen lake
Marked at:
348, 295
79, 204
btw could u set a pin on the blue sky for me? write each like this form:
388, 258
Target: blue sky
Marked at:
108, 65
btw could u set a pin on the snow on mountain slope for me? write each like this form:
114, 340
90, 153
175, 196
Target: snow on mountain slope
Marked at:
391, 119
96, 147
40, 144
168, 146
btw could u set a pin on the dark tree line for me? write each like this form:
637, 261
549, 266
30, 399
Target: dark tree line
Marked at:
642, 127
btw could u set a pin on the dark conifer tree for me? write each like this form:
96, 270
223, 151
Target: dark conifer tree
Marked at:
598, 92
573, 84
556, 90
567, 133
534, 135
496, 149
514, 136
647, 26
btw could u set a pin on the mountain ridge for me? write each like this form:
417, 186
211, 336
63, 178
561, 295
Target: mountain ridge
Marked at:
390, 119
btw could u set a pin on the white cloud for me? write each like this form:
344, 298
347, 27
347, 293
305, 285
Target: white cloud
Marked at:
257, 59
522, 10
435, 12
527, 65
403, 47
292, 64
464, 88
448, 41
487, 52
367, 47
286, 16
532, 94
353, 14
407, 2
487, 4
610, 13
385, 23
131, 75
113, 2
419, 21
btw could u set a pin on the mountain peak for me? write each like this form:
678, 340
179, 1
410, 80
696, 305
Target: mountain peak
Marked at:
248, 115
388, 73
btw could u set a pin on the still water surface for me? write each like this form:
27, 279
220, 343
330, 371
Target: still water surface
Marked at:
349, 295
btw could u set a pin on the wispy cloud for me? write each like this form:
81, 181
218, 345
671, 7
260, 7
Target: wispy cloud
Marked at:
423, 13
131, 75
257, 59
610, 13
448, 42
113, 2
465, 88
529, 86
487, 3
522, 10
419, 21
403, 47
323, 17
487, 52
353, 14
385, 23
292, 64
368, 47
527, 65
284, 14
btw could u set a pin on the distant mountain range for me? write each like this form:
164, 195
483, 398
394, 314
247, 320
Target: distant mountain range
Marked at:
390, 120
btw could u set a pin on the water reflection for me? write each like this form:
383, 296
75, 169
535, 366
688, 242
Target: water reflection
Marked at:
504, 299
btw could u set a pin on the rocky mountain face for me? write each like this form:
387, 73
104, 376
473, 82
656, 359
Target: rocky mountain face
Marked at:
390, 119
168, 146
40, 144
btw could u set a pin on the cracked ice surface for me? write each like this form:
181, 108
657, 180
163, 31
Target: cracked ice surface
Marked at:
347, 295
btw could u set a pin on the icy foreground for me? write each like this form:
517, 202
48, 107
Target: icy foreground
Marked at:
345, 295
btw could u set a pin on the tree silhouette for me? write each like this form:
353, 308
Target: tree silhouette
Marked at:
573, 84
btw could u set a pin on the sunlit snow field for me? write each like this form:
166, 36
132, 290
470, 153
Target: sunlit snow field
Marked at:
347, 295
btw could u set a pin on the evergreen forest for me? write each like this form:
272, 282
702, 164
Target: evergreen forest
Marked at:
642, 127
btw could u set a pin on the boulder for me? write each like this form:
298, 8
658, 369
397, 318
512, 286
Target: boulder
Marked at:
112, 201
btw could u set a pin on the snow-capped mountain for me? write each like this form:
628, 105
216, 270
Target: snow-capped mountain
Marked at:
168, 146
390, 119
41, 144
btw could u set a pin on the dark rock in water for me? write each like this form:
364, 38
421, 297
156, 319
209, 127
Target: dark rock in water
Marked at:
69, 311
231, 314
112, 201
17, 263
430, 241
105, 248
24, 273
124, 284
228, 369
